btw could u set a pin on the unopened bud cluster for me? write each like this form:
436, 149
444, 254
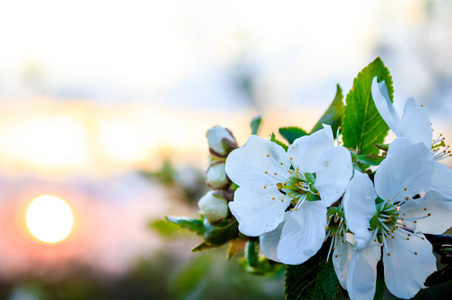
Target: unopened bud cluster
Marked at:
214, 205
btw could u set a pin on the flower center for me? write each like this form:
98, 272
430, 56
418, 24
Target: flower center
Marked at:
440, 149
336, 223
336, 227
385, 220
299, 186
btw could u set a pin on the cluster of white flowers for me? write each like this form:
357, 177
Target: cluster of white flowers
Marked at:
295, 200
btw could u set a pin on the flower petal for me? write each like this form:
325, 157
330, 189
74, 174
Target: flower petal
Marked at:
432, 213
406, 166
410, 262
384, 105
303, 233
256, 211
362, 272
247, 165
359, 207
307, 151
442, 180
415, 124
334, 174
269, 241
341, 259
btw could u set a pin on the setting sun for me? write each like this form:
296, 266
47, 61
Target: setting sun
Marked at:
49, 218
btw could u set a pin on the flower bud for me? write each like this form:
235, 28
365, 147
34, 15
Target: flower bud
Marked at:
213, 206
221, 141
216, 175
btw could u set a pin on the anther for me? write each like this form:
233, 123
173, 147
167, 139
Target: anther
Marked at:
276, 173
266, 172
389, 254
265, 186
404, 189
268, 155
406, 198
415, 253
281, 164
429, 214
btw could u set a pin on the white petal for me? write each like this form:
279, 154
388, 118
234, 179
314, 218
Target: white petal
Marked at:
247, 165
307, 151
269, 241
303, 234
362, 272
256, 212
404, 271
341, 259
334, 174
359, 207
442, 180
432, 213
384, 105
415, 124
406, 166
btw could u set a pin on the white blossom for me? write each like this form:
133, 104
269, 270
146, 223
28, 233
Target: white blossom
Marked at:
216, 175
389, 216
415, 125
283, 196
213, 206
221, 141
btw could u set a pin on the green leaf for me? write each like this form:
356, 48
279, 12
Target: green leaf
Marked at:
219, 234
371, 160
164, 228
203, 246
252, 252
264, 267
274, 140
333, 115
190, 224
291, 133
362, 126
314, 279
255, 123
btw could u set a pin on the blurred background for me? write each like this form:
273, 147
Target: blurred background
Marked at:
105, 105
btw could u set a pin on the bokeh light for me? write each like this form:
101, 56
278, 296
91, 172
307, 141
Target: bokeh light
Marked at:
49, 219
